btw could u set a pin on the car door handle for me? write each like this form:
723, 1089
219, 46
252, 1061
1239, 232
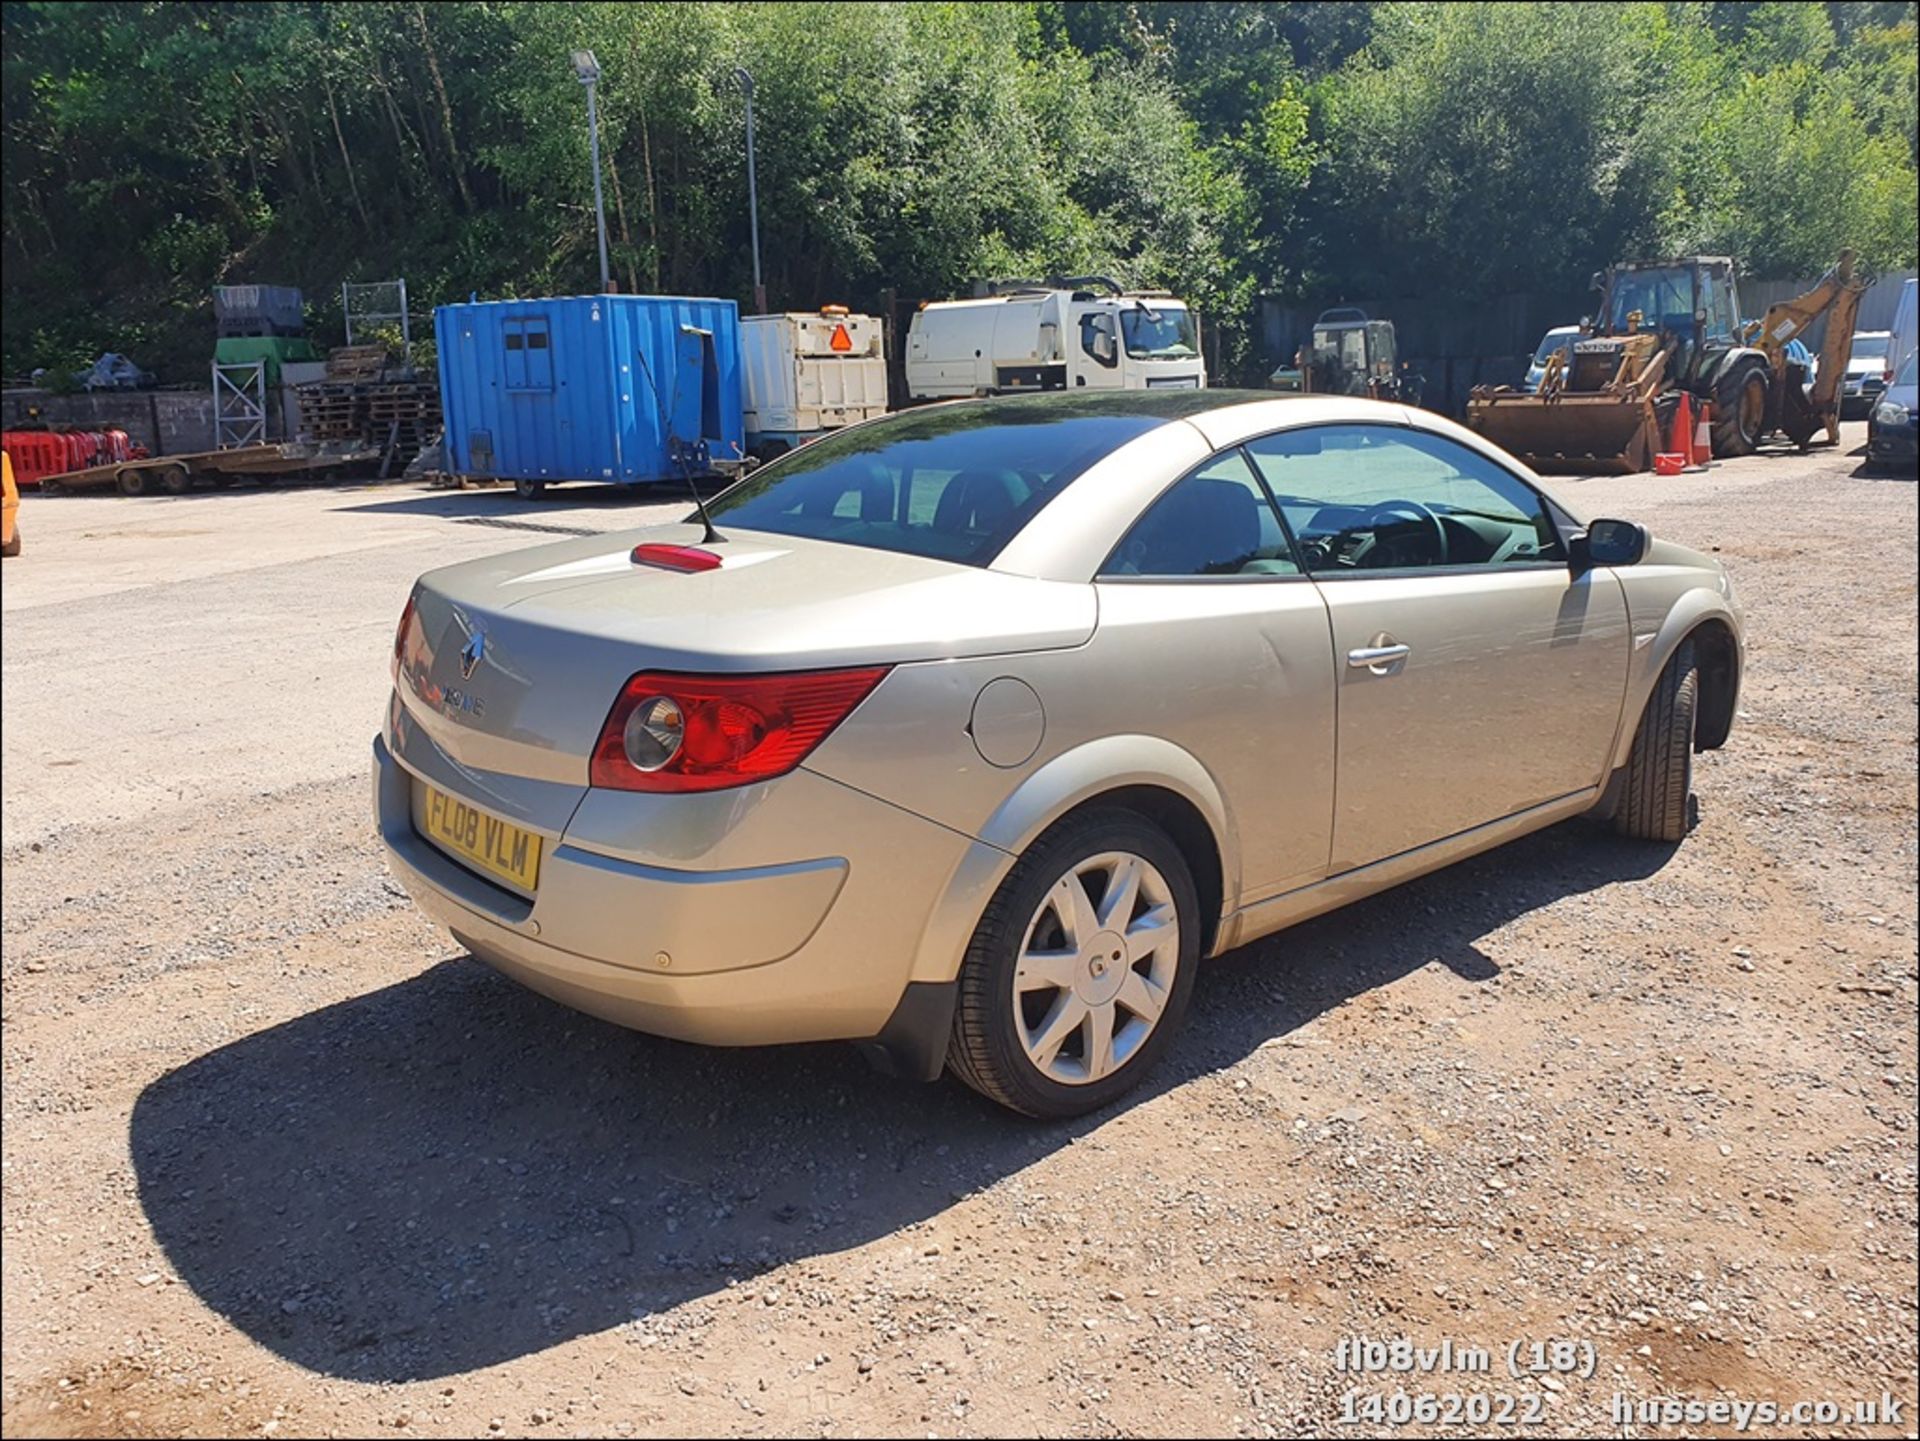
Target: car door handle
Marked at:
1377, 657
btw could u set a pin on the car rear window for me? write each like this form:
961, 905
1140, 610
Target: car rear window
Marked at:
947, 482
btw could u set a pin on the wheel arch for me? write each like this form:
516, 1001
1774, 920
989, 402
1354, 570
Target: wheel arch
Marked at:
1145, 774
1190, 832
1725, 362
1717, 653
1702, 616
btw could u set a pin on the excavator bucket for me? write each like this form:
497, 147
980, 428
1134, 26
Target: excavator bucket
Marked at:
1571, 434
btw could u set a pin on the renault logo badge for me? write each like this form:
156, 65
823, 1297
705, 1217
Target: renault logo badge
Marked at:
470, 654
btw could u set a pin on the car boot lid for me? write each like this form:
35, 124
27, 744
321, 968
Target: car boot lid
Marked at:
771, 602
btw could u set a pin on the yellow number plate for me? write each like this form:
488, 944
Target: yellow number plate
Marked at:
492, 845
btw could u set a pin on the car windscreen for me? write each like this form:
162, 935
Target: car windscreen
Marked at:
1906, 377
1869, 350
1552, 341
1662, 299
949, 482
1164, 333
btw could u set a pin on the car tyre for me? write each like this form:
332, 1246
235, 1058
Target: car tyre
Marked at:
132, 481
1656, 797
176, 480
1006, 1011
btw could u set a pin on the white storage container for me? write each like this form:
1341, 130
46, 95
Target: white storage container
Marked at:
809, 373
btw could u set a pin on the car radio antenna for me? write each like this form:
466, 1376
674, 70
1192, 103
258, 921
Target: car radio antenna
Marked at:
710, 536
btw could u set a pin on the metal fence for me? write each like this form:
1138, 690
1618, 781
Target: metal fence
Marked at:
368, 308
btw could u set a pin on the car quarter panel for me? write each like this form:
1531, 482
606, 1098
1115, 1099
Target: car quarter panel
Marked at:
1220, 691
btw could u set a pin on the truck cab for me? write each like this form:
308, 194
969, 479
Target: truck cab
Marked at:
1053, 337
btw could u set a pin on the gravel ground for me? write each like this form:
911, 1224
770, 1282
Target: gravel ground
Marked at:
280, 1160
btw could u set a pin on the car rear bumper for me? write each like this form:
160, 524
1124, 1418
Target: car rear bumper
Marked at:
822, 948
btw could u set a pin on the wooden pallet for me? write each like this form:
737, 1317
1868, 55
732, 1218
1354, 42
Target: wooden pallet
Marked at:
331, 411
395, 416
356, 362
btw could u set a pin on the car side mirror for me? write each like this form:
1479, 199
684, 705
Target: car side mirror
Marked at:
1616, 542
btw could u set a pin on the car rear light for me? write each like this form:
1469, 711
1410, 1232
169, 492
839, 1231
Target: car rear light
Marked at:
400, 633
708, 732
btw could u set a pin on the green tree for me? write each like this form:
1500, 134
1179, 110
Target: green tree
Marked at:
1223, 150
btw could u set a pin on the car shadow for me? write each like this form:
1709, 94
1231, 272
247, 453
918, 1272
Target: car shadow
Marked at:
1872, 470
500, 501
452, 1171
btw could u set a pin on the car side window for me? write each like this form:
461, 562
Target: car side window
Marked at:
1217, 520
1362, 498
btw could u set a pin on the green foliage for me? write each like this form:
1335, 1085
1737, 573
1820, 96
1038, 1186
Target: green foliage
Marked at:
1222, 150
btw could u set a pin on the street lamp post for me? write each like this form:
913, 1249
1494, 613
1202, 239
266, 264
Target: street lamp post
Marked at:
745, 77
588, 69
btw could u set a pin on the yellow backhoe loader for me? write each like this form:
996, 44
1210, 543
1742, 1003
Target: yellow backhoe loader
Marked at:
1606, 405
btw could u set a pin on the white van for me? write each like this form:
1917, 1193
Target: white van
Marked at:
1903, 338
1065, 337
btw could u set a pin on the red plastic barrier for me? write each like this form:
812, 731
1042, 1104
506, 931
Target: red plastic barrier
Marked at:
38, 454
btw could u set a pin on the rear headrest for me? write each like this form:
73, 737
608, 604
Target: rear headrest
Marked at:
977, 500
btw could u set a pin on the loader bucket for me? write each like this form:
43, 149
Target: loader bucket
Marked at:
1570, 434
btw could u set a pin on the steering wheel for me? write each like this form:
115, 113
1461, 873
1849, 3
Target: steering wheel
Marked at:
1418, 512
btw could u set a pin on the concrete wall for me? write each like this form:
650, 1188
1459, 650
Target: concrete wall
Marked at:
166, 422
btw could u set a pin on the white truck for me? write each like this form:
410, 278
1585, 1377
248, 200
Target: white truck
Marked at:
808, 373
1053, 335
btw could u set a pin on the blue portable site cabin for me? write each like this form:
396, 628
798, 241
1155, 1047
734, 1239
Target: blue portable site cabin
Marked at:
627, 389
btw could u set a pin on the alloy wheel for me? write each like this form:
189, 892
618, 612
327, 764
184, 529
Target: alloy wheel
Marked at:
1096, 966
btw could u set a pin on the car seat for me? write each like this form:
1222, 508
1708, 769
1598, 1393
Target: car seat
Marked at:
978, 502
1202, 527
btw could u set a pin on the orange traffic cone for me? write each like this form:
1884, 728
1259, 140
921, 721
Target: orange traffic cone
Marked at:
1680, 436
1679, 454
1703, 436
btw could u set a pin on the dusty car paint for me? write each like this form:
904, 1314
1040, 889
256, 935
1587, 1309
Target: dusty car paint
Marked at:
1313, 778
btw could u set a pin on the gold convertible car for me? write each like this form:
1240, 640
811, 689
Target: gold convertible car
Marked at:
967, 733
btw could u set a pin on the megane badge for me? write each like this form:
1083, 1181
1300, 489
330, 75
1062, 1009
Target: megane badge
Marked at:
470, 654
